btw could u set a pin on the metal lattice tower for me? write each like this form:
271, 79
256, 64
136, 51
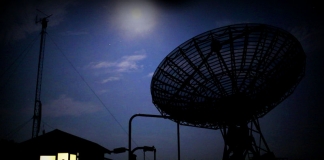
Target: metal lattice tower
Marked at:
226, 79
38, 104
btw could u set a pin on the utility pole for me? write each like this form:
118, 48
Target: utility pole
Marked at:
38, 104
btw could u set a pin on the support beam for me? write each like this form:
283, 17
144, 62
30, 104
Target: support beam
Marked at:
178, 137
240, 142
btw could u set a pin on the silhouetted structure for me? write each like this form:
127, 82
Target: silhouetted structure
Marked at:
58, 143
226, 79
37, 118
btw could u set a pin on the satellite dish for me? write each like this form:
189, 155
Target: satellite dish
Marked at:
228, 77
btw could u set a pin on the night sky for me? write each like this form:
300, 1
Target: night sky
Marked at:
100, 57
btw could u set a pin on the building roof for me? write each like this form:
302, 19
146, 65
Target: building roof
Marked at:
60, 141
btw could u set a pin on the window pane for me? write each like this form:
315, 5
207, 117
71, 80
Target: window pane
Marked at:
62, 156
72, 157
47, 157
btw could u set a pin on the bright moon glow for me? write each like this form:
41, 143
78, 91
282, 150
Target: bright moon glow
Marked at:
135, 18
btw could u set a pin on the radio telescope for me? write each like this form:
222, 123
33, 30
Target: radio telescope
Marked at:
226, 79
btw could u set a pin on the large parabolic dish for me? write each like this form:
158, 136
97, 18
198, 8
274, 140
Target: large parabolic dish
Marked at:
228, 75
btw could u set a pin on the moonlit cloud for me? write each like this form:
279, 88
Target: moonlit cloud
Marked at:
110, 79
116, 69
129, 63
74, 33
66, 106
124, 64
103, 91
102, 64
150, 74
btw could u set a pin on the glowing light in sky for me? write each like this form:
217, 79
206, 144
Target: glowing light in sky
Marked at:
135, 18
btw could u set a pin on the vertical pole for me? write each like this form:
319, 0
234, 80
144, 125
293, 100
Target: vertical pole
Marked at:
130, 137
130, 130
178, 135
225, 152
38, 105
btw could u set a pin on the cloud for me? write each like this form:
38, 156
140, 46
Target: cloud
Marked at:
116, 69
129, 63
66, 106
103, 91
125, 64
150, 74
74, 33
110, 79
102, 64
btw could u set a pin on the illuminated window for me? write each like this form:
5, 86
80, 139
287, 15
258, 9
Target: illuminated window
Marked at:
62, 156
47, 157
72, 157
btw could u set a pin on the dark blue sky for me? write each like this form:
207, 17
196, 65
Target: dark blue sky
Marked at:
116, 46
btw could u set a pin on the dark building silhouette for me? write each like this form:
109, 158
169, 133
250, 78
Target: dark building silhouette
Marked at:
59, 145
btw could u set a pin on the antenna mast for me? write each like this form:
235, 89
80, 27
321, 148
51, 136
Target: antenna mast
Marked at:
38, 104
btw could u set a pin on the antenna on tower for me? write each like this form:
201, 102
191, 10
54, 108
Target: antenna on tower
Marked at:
43, 20
43, 13
38, 105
